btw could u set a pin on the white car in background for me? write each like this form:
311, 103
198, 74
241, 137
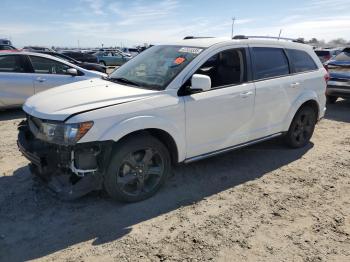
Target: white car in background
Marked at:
170, 104
24, 74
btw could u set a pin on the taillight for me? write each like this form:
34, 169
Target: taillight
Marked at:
326, 76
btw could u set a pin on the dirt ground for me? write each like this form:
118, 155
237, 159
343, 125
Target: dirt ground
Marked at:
262, 203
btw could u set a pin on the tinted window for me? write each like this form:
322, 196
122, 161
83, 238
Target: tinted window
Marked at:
225, 68
269, 62
11, 63
301, 61
47, 66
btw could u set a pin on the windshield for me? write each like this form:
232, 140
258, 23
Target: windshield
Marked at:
156, 67
344, 56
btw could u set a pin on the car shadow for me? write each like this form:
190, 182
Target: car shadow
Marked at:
11, 114
340, 111
34, 224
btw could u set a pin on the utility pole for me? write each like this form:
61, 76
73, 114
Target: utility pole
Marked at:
233, 23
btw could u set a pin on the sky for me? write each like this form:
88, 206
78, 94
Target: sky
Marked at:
91, 23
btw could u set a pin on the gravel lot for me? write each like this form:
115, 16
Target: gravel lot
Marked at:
262, 203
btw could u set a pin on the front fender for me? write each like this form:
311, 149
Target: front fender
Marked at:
121, 129
298, 102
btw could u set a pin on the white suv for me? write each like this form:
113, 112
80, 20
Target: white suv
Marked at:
171, 104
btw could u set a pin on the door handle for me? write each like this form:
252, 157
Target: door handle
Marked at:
40, 79
246, 94
295, 85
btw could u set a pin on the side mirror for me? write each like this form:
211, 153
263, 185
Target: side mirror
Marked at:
72, 72
200, 83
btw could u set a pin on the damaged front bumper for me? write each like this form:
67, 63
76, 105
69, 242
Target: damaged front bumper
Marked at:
69, 171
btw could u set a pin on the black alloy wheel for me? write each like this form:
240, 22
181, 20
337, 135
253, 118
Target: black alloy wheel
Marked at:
302, 127
138, 168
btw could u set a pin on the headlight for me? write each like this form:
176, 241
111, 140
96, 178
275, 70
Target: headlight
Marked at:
64, 134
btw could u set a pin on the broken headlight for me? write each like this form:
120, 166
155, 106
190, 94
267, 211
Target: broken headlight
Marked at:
63, 134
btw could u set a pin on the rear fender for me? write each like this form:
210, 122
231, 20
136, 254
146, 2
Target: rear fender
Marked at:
298, 102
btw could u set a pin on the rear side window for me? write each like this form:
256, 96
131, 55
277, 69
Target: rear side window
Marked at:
12, 64
269, 62
301, 61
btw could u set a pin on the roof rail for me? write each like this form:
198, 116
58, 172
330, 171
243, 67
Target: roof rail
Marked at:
196, 37
298, 40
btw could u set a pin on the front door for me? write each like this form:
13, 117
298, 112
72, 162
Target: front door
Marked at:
221, 117
50, 73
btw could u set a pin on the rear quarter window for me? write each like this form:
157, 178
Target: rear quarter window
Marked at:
301, 61
269, 62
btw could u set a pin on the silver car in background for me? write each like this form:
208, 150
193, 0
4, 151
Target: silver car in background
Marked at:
23, 74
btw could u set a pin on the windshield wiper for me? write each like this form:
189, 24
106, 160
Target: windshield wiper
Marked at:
123, 80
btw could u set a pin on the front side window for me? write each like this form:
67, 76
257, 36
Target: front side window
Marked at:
225, 68
269, 62
301, 61
43, 65
156, 67
12, 64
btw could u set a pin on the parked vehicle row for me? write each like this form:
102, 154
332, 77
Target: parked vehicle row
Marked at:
86, 65
172, 103
23, 74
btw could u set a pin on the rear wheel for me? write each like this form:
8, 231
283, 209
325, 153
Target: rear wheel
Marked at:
331, 99
302, 127
138, 168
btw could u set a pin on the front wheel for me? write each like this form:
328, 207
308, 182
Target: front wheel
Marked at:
138, 168
302, 127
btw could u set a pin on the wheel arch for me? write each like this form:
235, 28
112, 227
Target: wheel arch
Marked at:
308, 99
171, 136
163, 136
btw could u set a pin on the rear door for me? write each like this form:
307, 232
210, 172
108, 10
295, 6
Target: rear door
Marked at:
50, 73
16, 80
272, 79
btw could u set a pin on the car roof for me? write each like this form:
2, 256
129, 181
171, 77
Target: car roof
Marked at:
210, 41
40, 55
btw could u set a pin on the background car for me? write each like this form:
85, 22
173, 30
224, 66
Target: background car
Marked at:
7, 48
36, 49
5, 42
81, 56
339, 72
325, 54
24, 74
132, 51
88, 66
111, 58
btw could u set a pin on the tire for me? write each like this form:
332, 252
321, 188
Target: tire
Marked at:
301, 128
102, 63
138, 167
331, 99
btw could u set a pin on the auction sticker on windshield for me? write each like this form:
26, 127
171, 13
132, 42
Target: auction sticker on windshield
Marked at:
191, 50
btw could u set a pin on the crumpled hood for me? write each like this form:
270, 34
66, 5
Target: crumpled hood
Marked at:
60, 102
